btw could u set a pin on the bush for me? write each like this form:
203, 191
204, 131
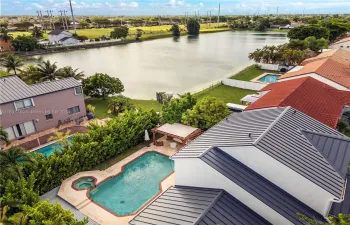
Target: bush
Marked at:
97, 39
25, 43
193, 27
99, 144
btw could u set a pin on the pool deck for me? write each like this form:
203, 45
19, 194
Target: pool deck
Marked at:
79, 198
256, 79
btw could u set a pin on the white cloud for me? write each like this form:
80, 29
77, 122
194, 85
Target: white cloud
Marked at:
109, 5
50, 1
28, 8
37, 5
129, 5
201, 4
174, 3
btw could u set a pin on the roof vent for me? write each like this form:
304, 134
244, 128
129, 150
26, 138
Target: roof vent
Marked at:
250, 135
295, 111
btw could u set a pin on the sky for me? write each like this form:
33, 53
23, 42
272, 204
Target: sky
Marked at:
175, 7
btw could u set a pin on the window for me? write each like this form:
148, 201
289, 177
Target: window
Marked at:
78, 90
73, 110
25, 103
49, 116
341, 46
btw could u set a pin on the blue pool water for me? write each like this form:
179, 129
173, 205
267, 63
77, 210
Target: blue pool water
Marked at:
139, 182
50, 149
269, 78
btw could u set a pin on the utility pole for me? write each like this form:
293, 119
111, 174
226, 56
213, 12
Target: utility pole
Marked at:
41, 16
40, 21
219, 15
48, 16
277, 11
71, 9
65, 19
303, 12
53, 24
63, 24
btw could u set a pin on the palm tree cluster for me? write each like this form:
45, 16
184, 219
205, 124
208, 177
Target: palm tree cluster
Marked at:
12, 63
278, 54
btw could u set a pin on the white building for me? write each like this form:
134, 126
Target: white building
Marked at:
343, 43
262, 166
62, 37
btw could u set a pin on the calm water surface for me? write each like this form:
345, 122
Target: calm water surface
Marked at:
186, 64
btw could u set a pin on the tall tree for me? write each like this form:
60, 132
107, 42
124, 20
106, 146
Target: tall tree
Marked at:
4, 34
37, 32
206, 113
176, 30
47, 71
172, 111
4, 137
68, 71
337, 29
13, 159
120, 32
102, 85
303, 32
12, 63
25, 43
118, 104
193, 27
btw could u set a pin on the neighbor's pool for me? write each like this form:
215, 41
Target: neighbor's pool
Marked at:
50, 149
137, 184
269, 78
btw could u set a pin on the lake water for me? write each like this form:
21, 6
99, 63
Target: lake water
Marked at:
185, 64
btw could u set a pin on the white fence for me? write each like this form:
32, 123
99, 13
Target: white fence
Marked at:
243, 84
273, 67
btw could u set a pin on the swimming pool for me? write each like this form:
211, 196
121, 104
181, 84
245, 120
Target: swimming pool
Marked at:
127, 192
50, 149
269, 78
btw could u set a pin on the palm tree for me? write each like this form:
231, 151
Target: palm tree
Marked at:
13, 159
68, 71
4, 34
11, 62
4, 136
37, 32
47, 71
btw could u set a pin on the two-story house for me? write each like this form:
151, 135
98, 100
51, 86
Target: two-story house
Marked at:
61, 37
26, 109
263, 166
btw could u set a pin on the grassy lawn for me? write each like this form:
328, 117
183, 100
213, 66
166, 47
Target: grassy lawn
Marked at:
225, 93
250, 73
3, 73
101, 106
158, 31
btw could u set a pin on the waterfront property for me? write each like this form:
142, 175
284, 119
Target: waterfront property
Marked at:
27, 109
61, 37
327, 70
308, 95
261, 166
114, 195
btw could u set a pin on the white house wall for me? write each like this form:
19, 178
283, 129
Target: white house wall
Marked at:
344, 45
284, 177
195, 172
320, 78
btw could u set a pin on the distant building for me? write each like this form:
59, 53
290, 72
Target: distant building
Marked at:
27, 109
339, 55
5, 45
62, 37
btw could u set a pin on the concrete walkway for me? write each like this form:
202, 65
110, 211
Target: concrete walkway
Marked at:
79, 198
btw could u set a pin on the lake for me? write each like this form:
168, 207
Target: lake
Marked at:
171, 65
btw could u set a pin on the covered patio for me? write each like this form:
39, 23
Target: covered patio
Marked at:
175, 133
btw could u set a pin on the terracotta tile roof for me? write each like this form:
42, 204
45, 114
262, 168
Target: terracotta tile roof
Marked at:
340, 55
327, 68
308, 95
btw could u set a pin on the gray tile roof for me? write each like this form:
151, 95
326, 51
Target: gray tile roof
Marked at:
334, 148
344, 206
278, 133
232, 131
56, 32
12, 88
258, 186
52, 197
192, 205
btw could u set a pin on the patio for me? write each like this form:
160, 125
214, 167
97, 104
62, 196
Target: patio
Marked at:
80, 200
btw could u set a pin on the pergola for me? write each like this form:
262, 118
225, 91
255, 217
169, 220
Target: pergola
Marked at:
179, 131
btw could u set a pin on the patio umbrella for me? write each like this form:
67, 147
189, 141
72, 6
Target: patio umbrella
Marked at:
146, 136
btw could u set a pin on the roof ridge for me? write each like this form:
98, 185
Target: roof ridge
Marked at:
342, 137
53, 81
272, 124
204, 213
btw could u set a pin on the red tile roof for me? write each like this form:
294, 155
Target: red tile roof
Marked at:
308, 95
340, 55
327, 68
